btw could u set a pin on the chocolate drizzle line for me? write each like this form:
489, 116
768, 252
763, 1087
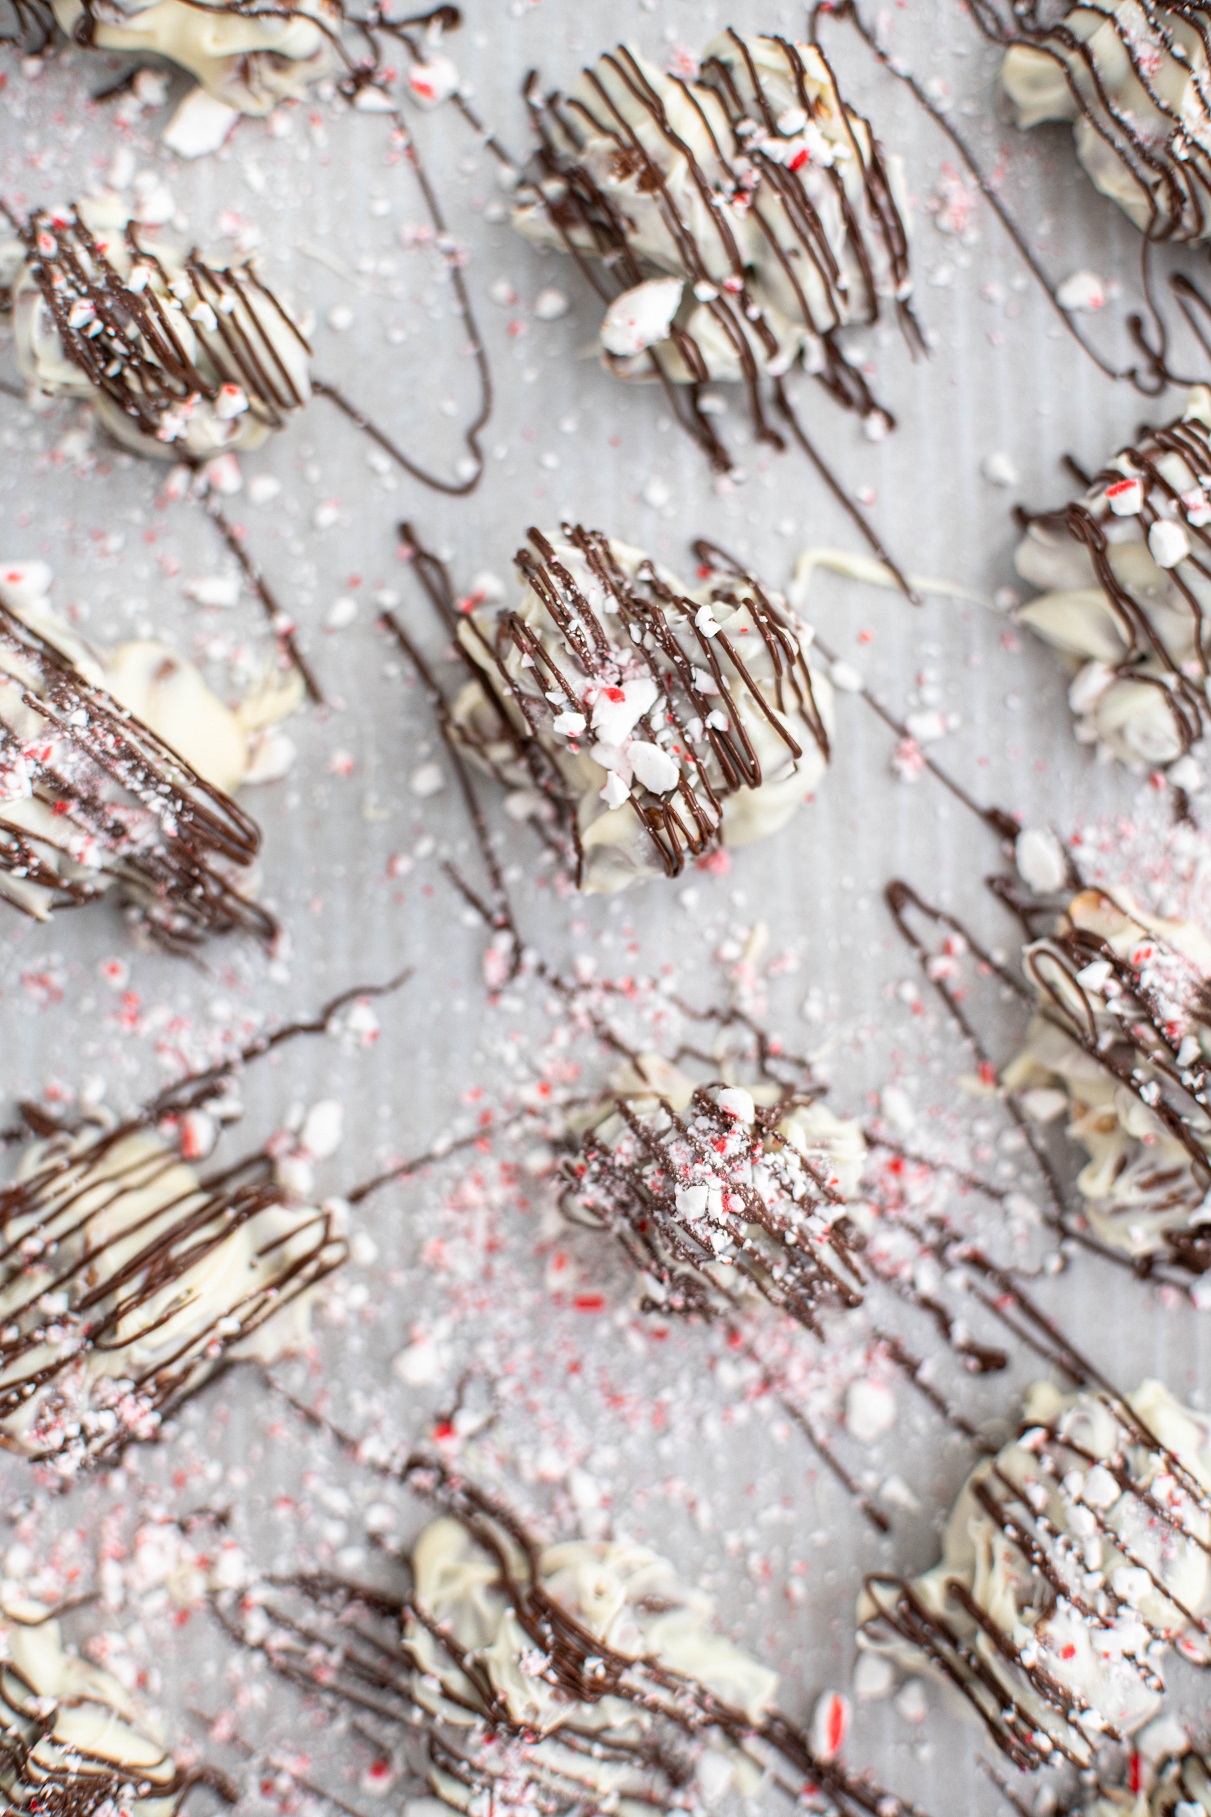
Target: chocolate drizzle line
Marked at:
656, 631
280, 622
42, 1774
1148, 333
594, 231
1182, 686
345, 1642
194, 1089
1053, 1563
172, 842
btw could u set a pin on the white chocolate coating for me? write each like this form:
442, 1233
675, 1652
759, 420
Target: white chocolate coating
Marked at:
1135, 84
68, 1731
1132, 637
131, 1282
759, 233
216, 325
625, 1596
1141, 1184
1094, 1564
620, 748
249, 56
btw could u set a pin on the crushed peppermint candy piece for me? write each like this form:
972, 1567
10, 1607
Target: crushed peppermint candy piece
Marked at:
1168, 543
641, 316
1126, 497
830, 1724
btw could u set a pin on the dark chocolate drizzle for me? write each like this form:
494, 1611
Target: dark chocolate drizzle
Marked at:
1052, 1563
279, 620
653, 633
149, 821
1181, 685
345, 1642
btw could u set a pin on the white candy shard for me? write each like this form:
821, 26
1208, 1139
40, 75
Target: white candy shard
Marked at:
639, 318
200, 125
1040, 860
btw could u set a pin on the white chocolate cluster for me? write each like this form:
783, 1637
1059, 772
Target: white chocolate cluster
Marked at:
747, 212
70, 1742
743, 1185
250, 54
1133, 78
1125, 595
161, 689
1072, 1563
1121, 1046
629, 1618
179, 358
129, 1281
670, 722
